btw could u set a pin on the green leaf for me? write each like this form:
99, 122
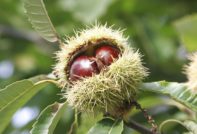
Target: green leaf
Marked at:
187, 30
74, 125
15, 96
107, 126
87, 124
38, 16
177, 91
191, 126
40, 78
48, 119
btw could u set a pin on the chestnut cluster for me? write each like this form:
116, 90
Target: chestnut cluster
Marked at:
86, 66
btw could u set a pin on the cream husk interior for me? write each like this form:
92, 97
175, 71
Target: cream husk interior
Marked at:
110, 88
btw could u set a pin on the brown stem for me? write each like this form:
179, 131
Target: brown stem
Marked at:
149, 118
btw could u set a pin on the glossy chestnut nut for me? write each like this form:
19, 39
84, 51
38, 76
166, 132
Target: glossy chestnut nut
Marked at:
107, 54
83, 66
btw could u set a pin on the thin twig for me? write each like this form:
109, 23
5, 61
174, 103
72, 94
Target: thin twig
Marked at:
138, 127
147, 116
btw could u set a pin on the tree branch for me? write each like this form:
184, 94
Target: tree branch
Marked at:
15, 33
28, 36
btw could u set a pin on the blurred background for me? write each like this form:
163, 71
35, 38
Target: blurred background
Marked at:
152, 26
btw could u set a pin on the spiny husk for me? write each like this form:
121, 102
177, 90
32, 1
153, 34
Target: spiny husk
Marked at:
191, 72
113, 86
82, 40
109, 90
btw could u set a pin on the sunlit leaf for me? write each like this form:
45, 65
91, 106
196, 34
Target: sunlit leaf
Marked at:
107, 126
15, 96
187, 30
191, 125
38, 16
177, 91
48, 119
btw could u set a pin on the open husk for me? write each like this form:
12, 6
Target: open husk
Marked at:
191, 72
113, 86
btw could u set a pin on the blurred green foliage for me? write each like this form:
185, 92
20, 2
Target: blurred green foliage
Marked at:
149, 24
186, 28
